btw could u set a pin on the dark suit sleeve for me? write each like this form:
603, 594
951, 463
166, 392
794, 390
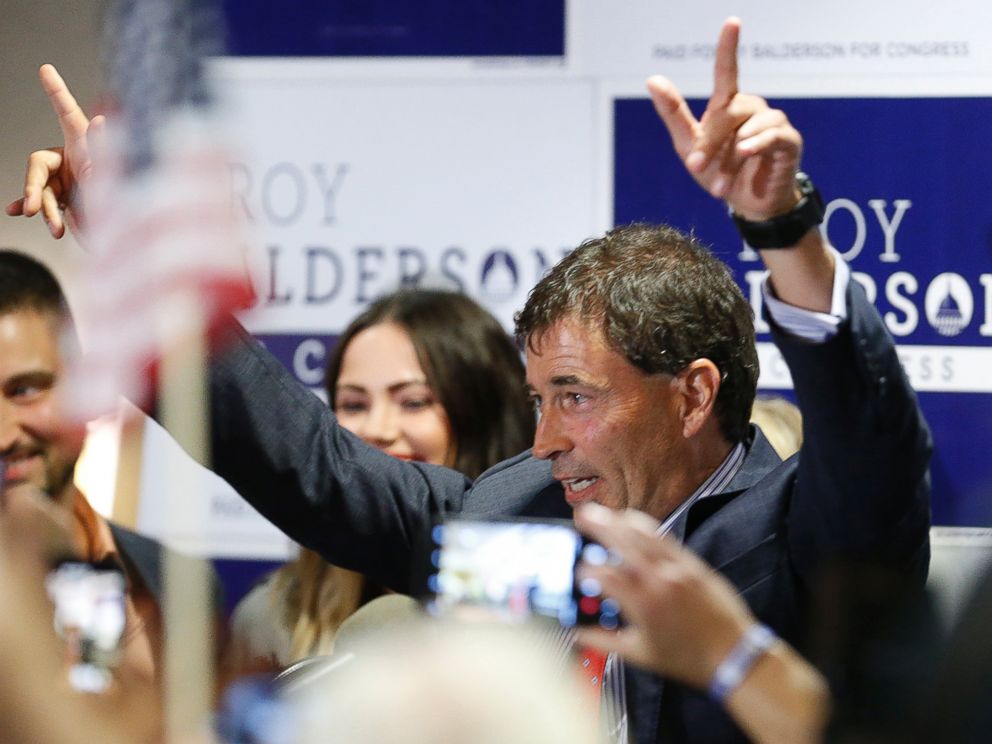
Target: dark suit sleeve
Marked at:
862, 487
281, 448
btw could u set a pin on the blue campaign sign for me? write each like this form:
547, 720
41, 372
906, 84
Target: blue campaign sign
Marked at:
396, 28
910, 206
303, 354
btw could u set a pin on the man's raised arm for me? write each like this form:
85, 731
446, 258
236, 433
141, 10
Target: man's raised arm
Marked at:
862, 489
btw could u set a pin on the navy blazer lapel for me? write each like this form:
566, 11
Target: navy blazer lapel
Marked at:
758, 462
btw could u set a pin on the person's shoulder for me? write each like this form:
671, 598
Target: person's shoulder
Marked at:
524, 470
519, 486
141, 549
141, 555
519, 461
144, 556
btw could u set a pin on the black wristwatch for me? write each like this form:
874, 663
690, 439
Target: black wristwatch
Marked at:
785, 230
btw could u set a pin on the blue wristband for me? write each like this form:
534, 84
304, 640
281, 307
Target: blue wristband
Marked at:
734, 668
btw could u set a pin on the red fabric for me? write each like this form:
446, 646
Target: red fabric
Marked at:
592, 665
167, 262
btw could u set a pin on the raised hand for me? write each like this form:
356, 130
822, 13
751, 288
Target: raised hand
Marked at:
683, 618
741, 150
53, 175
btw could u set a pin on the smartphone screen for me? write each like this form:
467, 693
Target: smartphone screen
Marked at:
90, 617
512, 570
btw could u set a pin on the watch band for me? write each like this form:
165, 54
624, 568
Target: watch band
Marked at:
787, 229
734, 668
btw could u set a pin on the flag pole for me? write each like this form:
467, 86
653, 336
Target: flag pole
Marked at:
163, 217
188, 621
127, 477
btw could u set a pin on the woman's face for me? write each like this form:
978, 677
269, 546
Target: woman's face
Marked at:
382, 395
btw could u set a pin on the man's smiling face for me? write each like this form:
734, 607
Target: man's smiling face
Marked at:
612, 432
38, 449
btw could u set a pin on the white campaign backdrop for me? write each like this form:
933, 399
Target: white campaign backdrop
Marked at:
478, 174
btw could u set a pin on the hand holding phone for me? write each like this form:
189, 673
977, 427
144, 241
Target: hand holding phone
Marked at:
515, 569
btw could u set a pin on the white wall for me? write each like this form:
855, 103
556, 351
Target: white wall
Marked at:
34, 32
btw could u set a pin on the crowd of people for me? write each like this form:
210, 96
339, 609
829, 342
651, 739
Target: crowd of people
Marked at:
641, 367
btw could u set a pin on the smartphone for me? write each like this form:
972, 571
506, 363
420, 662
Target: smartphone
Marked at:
90, 618
514, 569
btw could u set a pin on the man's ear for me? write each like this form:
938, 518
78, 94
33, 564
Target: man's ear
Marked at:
698, 384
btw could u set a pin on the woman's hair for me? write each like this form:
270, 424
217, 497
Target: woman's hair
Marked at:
317, 597
475, 371
781, 422
472, 366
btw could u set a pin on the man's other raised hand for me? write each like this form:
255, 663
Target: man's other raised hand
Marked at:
53, 174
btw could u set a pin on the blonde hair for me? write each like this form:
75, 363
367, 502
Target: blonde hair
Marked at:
781, 422
313, 598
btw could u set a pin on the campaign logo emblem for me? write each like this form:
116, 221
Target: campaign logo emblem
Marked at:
949, 304
500, 277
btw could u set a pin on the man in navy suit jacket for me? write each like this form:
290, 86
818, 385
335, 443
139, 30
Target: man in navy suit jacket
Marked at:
641, 361
642, 365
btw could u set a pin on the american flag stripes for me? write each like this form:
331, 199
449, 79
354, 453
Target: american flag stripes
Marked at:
159, 220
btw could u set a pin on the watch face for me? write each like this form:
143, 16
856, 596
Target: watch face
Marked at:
808, 189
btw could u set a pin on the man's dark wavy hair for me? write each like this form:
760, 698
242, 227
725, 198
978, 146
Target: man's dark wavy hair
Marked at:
27, 284
662, 300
